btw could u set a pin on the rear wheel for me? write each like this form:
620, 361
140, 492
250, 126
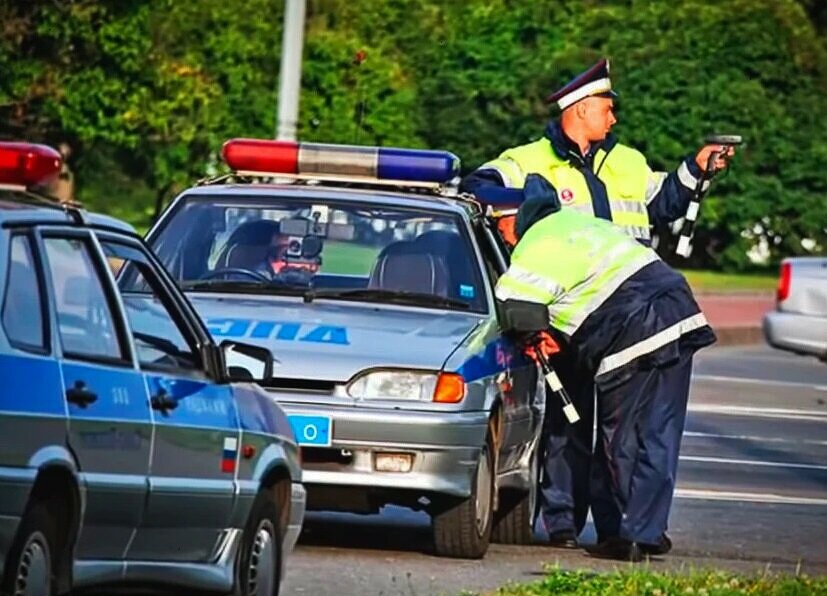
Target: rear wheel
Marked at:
29, 567
259, 563
514, 518
462, 529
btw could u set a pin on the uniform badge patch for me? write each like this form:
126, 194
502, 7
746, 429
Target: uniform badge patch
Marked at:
566, 196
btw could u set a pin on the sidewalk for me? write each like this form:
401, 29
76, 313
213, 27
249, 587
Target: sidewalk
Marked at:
736, 318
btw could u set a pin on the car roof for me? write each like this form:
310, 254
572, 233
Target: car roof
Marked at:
372, 195
22, 207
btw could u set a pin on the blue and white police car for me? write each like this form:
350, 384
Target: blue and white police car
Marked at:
127, 455
372, 283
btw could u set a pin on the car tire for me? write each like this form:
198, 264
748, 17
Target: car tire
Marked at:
259, 561
514, 518
462, 529
30, 563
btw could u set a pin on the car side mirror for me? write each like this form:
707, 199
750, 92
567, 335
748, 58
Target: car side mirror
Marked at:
245, 362
520, 317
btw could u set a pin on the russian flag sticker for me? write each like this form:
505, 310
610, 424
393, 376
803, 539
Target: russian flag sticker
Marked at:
228, 456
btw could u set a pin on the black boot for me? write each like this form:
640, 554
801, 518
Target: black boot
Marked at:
616, 548
663, 546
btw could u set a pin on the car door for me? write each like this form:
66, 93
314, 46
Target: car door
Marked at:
32, 409
192, 470
110, 428
522, 406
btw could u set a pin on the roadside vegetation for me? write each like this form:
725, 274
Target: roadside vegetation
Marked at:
643, 582
719, 282
144, 93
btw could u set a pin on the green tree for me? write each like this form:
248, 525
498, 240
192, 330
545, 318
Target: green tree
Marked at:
145, 92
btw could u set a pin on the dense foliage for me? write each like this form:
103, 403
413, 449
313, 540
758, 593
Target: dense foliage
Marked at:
643, 581
145, 92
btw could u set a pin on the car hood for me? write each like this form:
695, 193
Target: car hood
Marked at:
334, 340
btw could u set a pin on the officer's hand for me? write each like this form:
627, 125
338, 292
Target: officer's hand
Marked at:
724, 153
545, 343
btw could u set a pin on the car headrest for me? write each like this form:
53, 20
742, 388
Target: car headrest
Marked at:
405, 267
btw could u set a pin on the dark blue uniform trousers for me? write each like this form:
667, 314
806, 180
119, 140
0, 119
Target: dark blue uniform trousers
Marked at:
567, 451
639, 429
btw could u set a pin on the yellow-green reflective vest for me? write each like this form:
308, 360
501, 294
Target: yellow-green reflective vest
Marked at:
571, 262
624, 172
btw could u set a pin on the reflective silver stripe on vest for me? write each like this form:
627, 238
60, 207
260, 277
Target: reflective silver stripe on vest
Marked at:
503, 178
650, 344
603, 293
529, 278
637, 232
582, 208
687, 179
654, 184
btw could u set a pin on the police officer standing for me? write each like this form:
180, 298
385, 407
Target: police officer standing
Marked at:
632, 326
593, 174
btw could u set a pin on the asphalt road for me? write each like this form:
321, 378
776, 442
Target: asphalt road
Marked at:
752, 494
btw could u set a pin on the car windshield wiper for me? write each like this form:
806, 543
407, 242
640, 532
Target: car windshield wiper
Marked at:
379, 295
242, 286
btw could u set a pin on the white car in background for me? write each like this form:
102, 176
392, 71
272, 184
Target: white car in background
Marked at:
799, 322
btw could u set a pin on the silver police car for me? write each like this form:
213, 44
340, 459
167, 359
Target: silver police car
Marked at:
799, 322
126, 454
372, 283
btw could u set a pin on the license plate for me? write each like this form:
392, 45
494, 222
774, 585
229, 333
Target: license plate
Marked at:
311, 430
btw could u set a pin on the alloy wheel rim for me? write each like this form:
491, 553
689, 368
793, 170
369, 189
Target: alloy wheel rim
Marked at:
261, 572
33, 576
483, 500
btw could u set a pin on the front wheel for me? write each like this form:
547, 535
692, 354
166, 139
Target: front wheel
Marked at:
29, 567
259, 562
462, 529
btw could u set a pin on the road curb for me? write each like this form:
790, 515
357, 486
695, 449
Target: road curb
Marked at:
738, 336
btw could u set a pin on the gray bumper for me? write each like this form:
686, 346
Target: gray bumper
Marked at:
445, 447
804, 334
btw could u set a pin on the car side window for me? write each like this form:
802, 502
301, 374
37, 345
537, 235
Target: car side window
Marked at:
86, 324
160, 341
23, 302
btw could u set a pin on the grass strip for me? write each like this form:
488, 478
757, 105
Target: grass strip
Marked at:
644, 582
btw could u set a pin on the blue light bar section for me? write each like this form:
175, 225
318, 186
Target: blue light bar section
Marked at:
417, 165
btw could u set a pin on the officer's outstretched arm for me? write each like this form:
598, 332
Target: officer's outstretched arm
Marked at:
488, 186
668, 195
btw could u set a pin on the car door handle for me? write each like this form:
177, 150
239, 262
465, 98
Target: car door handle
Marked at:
81, 395
163, 401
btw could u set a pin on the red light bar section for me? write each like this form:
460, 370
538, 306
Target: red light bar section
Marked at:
258, 155
27, 164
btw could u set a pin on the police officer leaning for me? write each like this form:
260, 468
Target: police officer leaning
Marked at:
631, 324
593, 174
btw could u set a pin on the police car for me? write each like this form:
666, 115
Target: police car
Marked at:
126, 454
372, 282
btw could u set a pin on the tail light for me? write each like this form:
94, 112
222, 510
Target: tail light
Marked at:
784, 282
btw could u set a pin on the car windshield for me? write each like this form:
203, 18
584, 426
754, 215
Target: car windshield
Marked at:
321, 248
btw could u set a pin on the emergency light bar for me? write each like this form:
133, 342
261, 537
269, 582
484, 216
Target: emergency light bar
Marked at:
27, 164
384, 165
